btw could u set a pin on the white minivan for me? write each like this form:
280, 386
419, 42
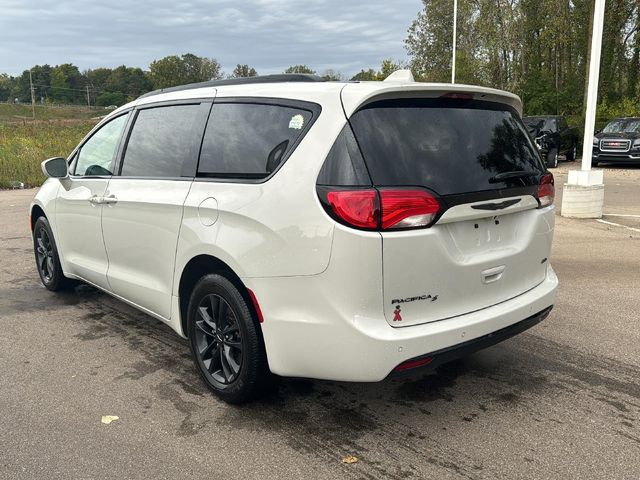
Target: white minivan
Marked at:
290, 226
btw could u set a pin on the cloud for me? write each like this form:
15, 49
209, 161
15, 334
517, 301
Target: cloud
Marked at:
267, 34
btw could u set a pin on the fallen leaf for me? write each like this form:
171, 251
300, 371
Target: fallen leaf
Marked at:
107, 419
350, 459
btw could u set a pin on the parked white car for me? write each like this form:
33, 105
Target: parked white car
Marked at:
331, 230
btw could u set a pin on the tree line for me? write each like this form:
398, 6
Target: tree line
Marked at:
538, 49
66, 84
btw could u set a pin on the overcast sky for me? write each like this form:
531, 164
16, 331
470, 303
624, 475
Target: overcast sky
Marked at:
270, 35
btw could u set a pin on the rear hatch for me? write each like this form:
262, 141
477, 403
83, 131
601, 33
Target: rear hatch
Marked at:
488, 238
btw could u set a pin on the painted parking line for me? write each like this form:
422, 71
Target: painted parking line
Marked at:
619, 225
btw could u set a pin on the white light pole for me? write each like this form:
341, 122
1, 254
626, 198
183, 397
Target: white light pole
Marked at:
583, 194
592, 89
455, 30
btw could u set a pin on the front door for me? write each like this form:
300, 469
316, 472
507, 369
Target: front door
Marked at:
80, 203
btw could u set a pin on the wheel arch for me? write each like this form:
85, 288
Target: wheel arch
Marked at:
194, 270
36, 212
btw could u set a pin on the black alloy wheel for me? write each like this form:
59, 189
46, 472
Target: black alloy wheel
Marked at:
44, 255
219, 341
226, 340
47, 258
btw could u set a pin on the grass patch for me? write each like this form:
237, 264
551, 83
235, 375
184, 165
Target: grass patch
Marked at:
21, 113
23, 146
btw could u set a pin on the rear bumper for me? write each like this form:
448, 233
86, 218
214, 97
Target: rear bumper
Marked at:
434, 359
309, 334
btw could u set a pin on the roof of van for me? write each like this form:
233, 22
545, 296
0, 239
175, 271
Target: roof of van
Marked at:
311, 88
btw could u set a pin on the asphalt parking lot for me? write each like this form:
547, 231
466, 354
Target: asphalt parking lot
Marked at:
561, 400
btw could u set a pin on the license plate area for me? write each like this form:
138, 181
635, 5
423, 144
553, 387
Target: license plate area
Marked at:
482, 234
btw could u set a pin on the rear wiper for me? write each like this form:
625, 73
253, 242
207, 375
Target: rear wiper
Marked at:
508, 175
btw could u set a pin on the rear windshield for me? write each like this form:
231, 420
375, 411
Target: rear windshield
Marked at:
451, 146
540, 124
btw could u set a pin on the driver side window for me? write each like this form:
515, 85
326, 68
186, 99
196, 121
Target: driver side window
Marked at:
96, 156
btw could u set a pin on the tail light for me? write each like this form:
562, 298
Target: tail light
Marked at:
407, 208
546, 190
358, 208
384, 209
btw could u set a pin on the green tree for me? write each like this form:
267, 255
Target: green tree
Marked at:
67, 84
365, 75
387, 68
6, 87
429, 41
131, 82
106, 99
538, 49
97, 78
243, 71
41, 75
173, 70
300, 69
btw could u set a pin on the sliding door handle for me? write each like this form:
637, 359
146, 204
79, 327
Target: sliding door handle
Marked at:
110, 199
97, 200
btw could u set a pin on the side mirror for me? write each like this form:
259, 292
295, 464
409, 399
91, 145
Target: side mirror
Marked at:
55, 167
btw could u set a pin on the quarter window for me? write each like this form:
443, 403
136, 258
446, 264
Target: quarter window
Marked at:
164, 141
96, 156
249, 140
344, 166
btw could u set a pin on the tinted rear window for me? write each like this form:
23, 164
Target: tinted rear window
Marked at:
540, 124
450, 146
250, 140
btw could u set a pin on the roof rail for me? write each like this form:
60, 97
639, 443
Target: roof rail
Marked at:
277, 78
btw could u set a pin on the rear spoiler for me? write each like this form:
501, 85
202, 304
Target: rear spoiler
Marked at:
357, 94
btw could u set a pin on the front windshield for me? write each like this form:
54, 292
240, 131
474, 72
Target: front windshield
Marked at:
627, 125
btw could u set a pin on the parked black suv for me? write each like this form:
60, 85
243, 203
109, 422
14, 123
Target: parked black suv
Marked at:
619, 142
553, 137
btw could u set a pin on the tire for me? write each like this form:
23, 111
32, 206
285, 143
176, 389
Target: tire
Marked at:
226, 341
594, 163
552, 158
47, 257
572, 153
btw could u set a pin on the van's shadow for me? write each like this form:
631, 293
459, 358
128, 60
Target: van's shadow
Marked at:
313, 416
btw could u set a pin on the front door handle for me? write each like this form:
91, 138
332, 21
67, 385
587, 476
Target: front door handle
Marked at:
95, 199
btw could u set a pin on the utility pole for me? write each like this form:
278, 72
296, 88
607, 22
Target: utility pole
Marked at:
455, 31
33, 97
88, 99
